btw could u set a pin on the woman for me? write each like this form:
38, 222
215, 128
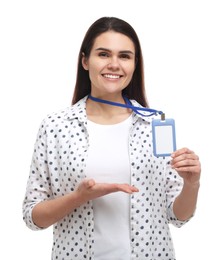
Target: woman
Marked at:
93, 174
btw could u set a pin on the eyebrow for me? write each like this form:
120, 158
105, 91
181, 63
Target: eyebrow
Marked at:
105, 49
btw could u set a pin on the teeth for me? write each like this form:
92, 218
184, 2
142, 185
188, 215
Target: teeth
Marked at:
111, 76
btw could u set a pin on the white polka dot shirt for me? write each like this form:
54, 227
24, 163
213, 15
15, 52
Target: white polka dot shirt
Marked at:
58, 166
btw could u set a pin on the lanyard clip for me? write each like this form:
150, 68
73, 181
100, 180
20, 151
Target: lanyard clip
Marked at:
162, 117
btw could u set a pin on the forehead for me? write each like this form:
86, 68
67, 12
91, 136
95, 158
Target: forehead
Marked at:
114, 41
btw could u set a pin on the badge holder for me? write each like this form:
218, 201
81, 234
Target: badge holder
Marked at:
164, 136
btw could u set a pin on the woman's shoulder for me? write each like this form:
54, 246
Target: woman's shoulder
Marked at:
67, 113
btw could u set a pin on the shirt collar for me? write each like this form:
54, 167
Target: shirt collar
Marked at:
78, 111
144, 114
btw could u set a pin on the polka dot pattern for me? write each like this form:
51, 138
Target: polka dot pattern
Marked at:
58, 166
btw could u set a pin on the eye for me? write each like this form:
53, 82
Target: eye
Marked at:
124, 56
103, 54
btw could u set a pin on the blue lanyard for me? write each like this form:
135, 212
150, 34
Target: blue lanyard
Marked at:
128, 105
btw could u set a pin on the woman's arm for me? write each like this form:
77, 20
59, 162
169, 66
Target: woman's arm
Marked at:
48, 212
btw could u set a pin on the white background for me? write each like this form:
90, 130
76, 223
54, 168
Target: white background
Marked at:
39, 44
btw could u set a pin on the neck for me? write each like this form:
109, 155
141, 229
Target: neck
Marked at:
105, 113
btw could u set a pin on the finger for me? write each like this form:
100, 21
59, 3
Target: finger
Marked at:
181, 151
127, 188
134, 189
188, 162
188, 169
89, 183
116, 187
185, 157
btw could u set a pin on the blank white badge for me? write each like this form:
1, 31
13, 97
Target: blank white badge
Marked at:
164, 137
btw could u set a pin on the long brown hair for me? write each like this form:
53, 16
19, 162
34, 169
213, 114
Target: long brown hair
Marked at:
136, 88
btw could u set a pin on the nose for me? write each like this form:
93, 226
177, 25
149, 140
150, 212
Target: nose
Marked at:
113, 63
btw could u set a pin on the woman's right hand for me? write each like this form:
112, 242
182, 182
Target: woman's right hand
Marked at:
88, 189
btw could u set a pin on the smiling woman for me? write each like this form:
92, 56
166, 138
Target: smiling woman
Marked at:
94, 176
131, 46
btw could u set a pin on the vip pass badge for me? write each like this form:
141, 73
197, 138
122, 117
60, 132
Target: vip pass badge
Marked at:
163, 130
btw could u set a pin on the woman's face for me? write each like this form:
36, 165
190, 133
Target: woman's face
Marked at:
111, 64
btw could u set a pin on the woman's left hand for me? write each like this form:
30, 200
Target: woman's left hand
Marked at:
187, 164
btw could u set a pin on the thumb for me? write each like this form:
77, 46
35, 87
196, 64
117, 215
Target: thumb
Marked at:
89, 183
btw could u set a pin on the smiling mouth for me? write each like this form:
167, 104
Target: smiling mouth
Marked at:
111, 76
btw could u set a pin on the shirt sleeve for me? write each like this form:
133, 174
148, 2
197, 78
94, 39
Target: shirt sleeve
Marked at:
38, 185
174, 184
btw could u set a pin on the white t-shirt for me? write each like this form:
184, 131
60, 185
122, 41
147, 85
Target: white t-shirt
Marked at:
108, 161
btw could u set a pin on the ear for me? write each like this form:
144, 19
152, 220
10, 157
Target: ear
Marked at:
84, 61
